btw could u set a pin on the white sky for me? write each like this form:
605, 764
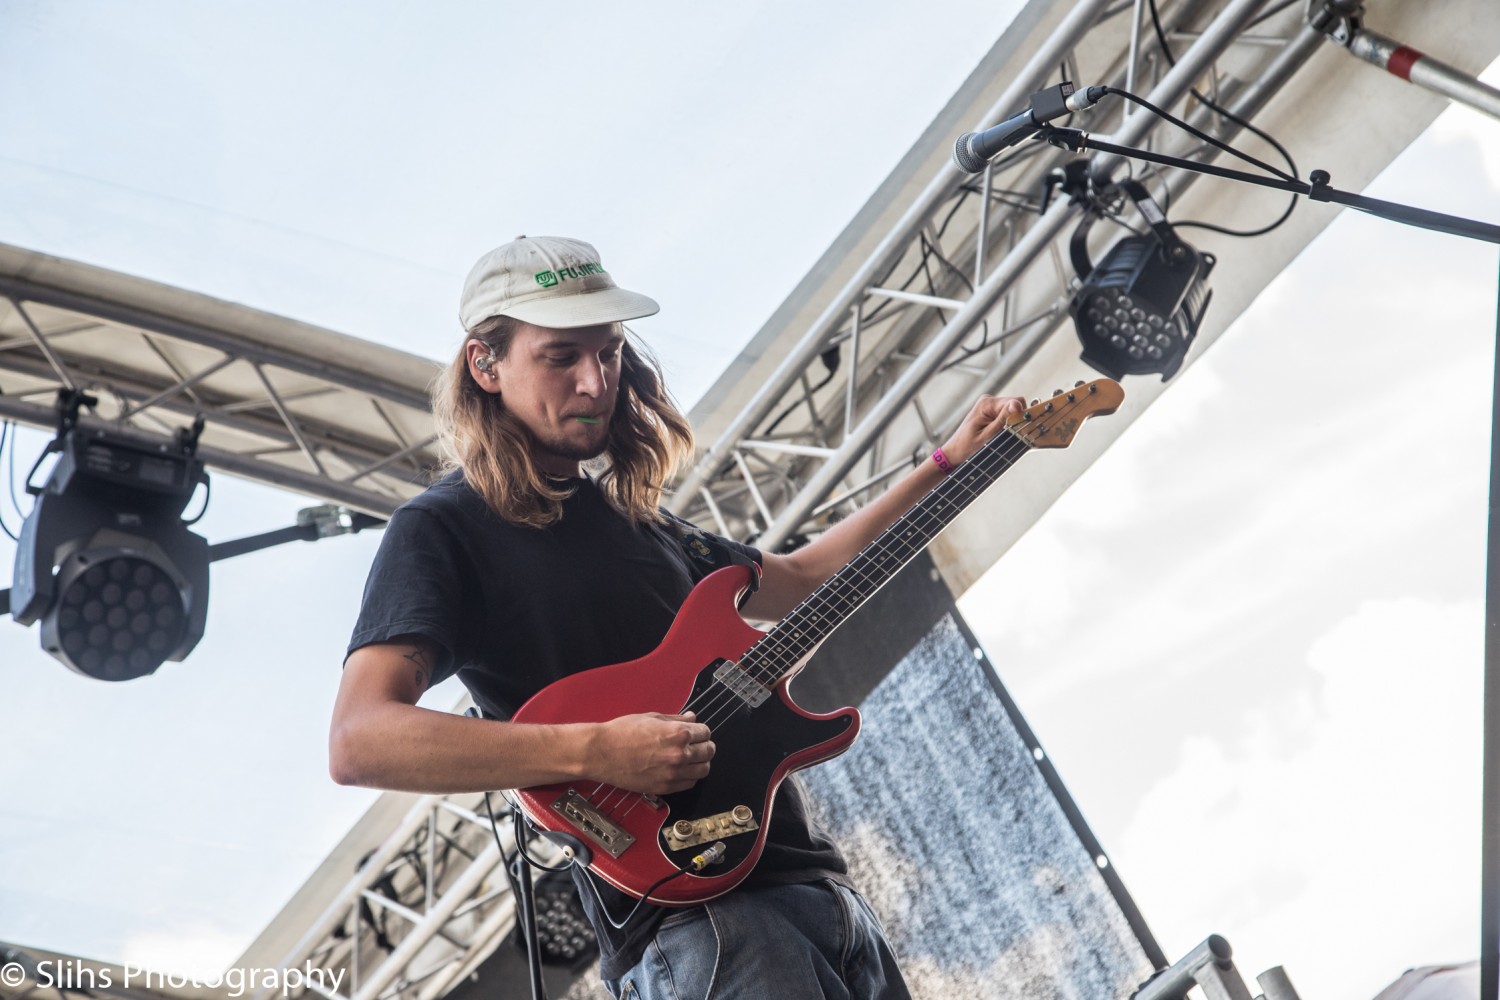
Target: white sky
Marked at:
1263, 688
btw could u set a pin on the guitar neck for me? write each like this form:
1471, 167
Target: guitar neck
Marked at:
826, 608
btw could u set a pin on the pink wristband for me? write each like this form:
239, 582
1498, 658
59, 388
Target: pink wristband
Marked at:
942, 461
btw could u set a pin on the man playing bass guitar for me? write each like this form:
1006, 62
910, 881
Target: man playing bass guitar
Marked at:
518, 569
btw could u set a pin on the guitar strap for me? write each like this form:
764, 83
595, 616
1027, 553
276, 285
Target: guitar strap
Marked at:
704, 548
754, 577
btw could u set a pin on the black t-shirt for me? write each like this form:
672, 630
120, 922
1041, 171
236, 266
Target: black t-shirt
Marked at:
513, 608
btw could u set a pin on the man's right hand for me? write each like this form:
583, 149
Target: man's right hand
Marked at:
653, 753
380, 738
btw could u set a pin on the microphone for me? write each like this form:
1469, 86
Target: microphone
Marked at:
974, 149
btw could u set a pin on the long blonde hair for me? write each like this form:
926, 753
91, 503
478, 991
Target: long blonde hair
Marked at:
649, 438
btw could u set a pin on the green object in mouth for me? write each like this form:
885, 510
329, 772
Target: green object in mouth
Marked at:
587, 420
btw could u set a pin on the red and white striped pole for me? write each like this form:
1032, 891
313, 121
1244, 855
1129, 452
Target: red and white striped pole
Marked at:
1424, 71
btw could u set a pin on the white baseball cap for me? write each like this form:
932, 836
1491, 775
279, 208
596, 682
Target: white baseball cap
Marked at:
547, 281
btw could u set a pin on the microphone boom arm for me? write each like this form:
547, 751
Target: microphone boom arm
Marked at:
1316, 188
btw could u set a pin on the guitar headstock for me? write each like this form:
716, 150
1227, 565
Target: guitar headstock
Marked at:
1052, 423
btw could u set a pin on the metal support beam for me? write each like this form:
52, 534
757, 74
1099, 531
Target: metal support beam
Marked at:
1425, 71
158, 357
880, 260
1176, 83
450, 917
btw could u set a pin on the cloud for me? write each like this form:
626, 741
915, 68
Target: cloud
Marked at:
1353, 853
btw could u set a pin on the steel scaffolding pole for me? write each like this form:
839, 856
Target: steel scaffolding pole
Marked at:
1172, 87
1067, 34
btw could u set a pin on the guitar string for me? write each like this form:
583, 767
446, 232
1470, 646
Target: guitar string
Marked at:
642, 797
639, 797
780, 650
780, 654
775, 654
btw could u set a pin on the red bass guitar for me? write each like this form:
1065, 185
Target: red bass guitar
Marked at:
693, 845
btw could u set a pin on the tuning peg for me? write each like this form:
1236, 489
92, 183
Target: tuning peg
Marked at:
1057, 392
1078, 383
1035, 401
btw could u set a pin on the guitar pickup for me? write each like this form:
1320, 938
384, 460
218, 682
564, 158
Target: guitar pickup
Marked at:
741, 684
687, 833
580, 812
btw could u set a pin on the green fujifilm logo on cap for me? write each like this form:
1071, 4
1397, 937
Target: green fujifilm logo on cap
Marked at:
549, 278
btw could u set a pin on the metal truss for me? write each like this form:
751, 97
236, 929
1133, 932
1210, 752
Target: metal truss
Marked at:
971, 280
421, 913
1342, 22
285, 403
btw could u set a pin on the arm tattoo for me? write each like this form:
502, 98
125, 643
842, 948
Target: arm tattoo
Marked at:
417, 656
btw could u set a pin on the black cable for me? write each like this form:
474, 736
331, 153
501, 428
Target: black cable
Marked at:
921, 265
1166, 51
1010, 199
1022, 201
525, 904
965, 352
603, 908
515, 819
1291, 205
1016, 199
510, 876
1285, 214
927, 252
1272, 11
636, 908
1200, 134
832, 367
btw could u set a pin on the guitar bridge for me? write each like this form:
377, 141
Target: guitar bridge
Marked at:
589, 821
741, 684
691, 832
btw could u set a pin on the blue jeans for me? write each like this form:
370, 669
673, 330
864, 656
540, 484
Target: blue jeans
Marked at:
817, 941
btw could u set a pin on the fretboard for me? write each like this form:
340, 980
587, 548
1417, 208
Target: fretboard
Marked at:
822, 611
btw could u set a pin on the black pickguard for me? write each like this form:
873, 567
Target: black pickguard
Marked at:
750, 745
